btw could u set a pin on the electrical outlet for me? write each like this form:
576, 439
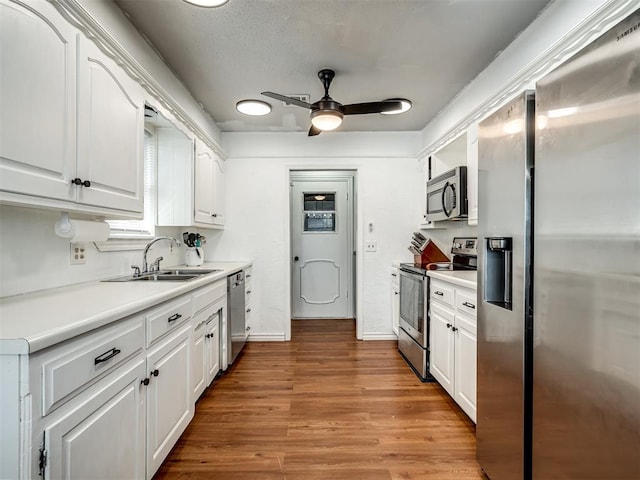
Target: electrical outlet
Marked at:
78, 254
371, 246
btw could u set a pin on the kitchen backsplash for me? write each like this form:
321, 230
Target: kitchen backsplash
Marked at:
444, 237
34, 258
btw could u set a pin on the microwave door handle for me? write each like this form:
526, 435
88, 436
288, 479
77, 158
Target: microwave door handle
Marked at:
444, 203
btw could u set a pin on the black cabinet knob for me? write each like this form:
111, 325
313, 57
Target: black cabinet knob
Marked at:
86, 183
295, 259
155, 372
448, 325
77, 181
144, 382
454, 329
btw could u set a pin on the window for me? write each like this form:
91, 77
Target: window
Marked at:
319, 212
145, 228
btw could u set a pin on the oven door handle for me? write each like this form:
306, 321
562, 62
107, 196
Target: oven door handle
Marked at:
444, 194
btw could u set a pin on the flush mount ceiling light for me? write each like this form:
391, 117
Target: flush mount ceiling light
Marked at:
207, 3
326, 119
406, 105
255, 108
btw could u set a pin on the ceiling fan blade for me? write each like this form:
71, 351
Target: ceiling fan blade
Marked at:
313, 131
284, 98
371, 107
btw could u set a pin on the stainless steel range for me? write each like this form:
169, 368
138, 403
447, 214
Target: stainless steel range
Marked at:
413, 335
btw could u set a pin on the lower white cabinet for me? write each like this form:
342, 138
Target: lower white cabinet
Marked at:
395, 299
453, 336
169, 400
101, 435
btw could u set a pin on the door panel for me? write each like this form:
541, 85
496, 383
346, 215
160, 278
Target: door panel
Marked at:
321, 247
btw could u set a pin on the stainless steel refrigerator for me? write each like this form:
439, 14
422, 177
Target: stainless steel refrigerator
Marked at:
559, 271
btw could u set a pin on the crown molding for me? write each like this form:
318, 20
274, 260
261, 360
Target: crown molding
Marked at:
574, 41
78, 16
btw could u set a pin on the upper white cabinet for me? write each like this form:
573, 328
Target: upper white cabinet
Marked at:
38, 101
472, 173
71, 126
209, 187
190, 187
110, 133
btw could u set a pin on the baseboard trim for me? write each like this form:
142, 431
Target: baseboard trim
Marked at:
266, 337
379, 336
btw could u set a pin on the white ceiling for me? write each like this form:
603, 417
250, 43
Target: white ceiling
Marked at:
424, 50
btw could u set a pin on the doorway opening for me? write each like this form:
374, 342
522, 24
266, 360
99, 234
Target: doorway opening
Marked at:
322, 244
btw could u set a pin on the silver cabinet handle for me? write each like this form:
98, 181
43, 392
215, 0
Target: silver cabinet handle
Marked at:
470, 305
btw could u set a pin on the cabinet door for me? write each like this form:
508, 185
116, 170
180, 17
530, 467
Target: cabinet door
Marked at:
442, 353
218, 192
103, 436
212, 342
472, 174
465, 362
198, 361
37, 101
395, 303
110, 133
169, 397
203, 184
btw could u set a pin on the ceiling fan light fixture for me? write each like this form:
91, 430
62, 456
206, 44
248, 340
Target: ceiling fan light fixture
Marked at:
207, 3
326, 119
254, 108
406, 105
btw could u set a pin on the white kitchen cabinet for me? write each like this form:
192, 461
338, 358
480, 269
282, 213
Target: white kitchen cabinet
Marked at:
209, 187
210, 305
472, 174
442, 347
169, 396
190, 188
248, 298
38, 95
395, 299
453, 329
103, 435
110, 133
72, 120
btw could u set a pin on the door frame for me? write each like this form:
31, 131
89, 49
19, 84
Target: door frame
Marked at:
356, 239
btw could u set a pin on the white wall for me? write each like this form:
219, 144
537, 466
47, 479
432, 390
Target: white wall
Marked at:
257, 206
34, 258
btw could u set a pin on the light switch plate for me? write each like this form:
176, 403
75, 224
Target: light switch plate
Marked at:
371, 246
77, 254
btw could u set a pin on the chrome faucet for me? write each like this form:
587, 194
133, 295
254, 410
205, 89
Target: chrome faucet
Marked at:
145, 266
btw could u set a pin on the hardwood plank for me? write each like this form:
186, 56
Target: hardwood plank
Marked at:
324, 406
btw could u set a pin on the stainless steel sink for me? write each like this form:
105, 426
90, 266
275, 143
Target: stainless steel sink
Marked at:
188, 271
164, 277
170, 275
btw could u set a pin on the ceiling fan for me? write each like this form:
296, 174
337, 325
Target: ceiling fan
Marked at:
327, 114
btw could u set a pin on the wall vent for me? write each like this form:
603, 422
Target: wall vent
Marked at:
303, 97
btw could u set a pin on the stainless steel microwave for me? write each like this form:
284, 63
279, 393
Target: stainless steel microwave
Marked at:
447, 196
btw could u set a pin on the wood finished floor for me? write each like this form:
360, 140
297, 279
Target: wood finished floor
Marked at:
324, 406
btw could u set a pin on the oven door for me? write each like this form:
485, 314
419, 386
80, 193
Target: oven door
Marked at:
413, 314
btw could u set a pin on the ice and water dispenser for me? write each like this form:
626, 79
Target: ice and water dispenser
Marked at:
498, 272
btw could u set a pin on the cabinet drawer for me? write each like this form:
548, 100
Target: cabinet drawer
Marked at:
164, 319
87, 359
208, 295
466, 302
442, 292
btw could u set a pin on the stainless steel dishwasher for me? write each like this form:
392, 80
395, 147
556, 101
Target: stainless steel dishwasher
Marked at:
236, 327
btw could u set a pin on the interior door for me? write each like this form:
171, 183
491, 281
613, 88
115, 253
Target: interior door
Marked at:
321, 248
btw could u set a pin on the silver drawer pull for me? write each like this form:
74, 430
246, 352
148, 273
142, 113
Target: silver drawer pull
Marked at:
439, 293
470, 305
106, 356
173, 318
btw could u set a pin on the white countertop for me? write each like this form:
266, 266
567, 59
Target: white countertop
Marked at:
463, 278
34, 321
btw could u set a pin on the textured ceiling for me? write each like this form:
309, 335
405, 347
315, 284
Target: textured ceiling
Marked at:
424, 50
